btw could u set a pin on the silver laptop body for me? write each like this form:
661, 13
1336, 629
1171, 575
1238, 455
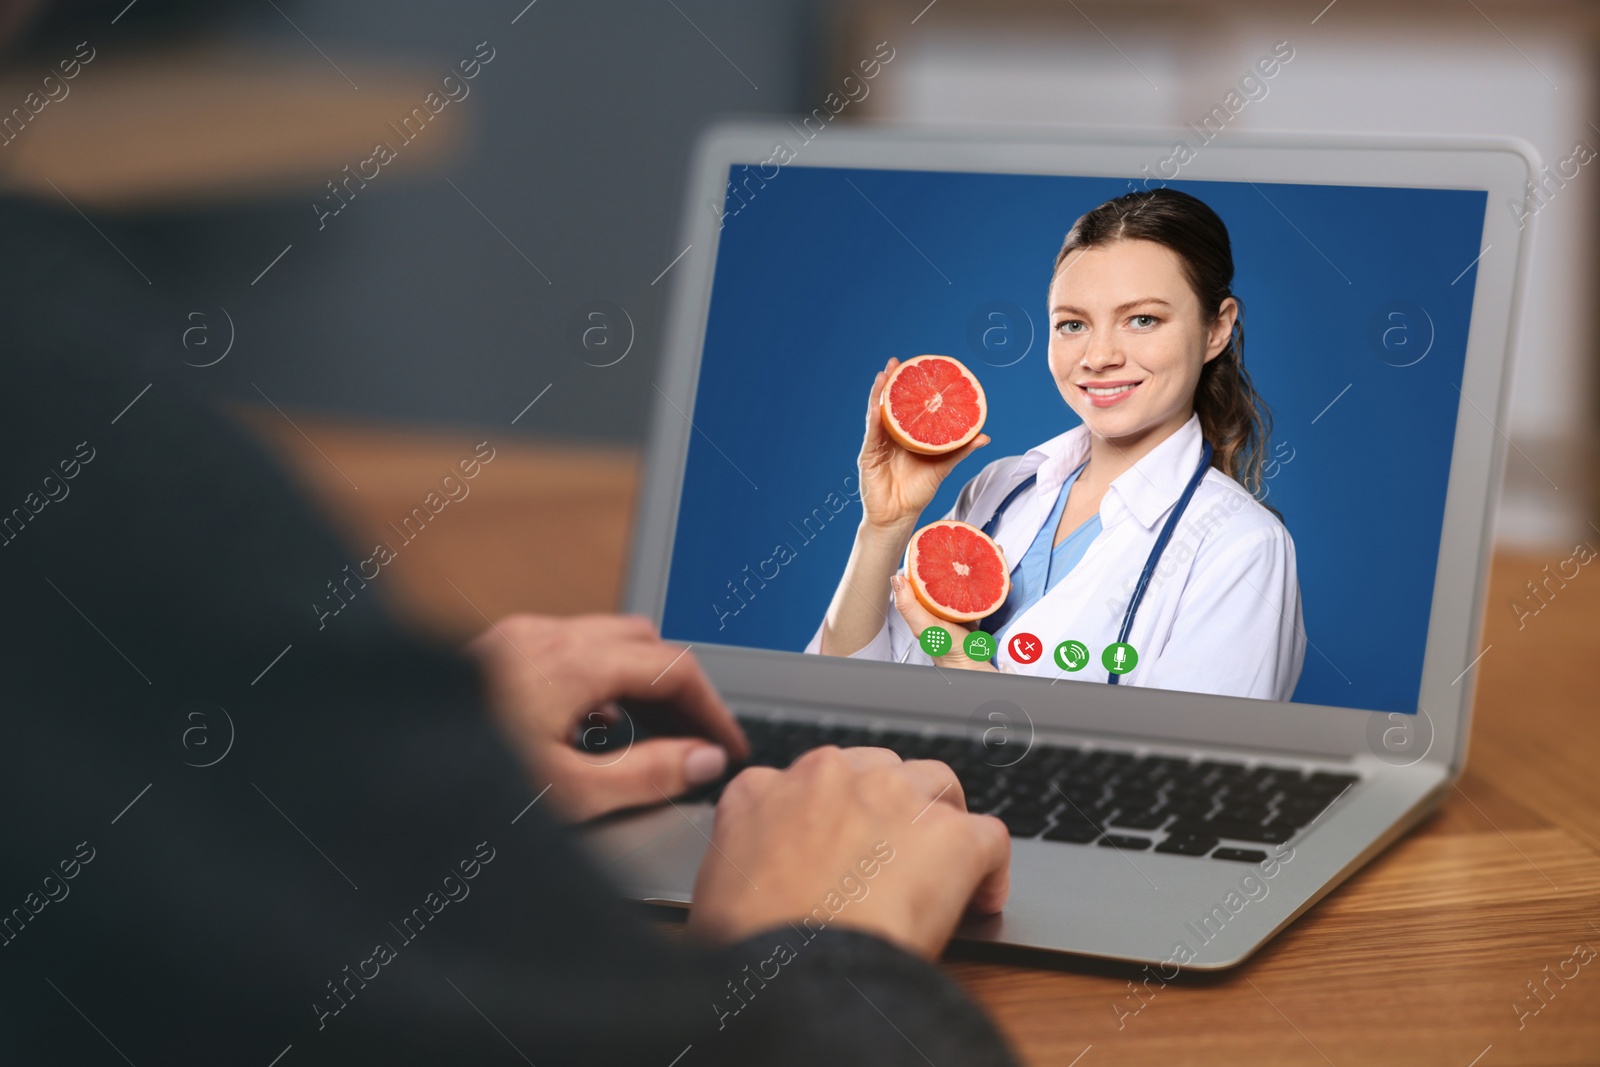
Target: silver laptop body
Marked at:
1143, 907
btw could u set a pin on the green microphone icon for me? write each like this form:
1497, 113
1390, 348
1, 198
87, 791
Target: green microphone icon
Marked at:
1119, 658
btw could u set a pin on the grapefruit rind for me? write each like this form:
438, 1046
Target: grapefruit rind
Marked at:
902, 436
947, 612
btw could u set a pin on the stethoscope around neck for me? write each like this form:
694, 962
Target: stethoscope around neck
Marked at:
1150, 563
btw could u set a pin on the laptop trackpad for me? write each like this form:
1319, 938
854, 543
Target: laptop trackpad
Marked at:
653, 855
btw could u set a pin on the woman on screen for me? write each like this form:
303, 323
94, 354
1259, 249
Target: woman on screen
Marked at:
1147, 349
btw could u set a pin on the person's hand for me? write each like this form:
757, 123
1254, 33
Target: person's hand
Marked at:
852, 837
920, 618
547, 676
897, 484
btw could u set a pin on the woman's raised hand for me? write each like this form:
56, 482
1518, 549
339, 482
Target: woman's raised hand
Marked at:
896, 484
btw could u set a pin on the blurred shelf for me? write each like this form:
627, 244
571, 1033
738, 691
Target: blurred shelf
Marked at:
205, 124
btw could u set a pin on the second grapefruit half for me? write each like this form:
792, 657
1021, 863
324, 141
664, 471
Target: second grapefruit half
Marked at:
957, 571
933, 405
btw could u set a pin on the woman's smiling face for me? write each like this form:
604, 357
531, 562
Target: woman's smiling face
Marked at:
1128, 340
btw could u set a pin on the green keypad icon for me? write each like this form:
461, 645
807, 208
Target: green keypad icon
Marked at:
935, 641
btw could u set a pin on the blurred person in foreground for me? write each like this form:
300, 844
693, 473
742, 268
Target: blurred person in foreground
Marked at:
236, 831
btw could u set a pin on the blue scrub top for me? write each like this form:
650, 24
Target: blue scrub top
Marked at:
1042, 566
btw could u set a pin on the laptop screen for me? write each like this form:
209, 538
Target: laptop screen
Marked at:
1193, 437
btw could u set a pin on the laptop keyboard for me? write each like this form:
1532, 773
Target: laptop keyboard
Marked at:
1106, 798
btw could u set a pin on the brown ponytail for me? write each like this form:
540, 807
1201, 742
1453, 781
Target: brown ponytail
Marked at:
1233, 417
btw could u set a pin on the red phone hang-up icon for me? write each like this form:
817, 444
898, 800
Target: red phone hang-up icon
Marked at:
1025, 647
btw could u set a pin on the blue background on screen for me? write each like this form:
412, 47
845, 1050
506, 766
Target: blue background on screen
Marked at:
814, 288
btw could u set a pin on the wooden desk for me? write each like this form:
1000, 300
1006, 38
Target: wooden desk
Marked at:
1419, 959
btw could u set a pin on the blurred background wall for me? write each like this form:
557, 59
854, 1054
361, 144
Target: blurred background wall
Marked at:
442, 293
204, 141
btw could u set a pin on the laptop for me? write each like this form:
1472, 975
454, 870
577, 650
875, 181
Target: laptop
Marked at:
1169, 806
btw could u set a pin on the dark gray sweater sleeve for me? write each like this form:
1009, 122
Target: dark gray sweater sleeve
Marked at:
236, 828
841, 996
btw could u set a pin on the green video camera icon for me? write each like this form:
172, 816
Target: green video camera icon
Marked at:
979, 646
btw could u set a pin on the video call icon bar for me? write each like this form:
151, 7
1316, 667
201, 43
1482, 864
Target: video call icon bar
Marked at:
1070, 656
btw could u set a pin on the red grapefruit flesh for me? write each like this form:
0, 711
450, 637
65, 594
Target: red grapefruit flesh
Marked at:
957, 571
933, 405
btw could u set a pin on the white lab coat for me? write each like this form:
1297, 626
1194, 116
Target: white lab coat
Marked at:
1221, 614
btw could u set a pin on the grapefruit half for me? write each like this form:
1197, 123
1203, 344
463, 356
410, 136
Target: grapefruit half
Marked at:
932, 405
957, 571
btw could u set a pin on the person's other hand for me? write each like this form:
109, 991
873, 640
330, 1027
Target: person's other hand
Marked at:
896, 485
546, 676
853, 837
920, 618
